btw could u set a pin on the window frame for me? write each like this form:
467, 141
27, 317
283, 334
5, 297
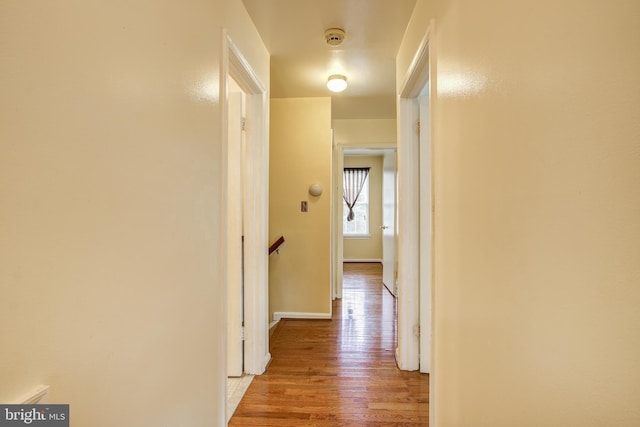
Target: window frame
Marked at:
345, 209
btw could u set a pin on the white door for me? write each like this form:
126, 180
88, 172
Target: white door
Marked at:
389, 220
235, 301
425, 233
338, 161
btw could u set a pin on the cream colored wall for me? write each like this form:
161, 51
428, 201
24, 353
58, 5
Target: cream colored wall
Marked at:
109, 181
300, 155
366, 132
537, 261
369, 248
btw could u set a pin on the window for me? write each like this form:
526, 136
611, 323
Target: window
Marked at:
359, 226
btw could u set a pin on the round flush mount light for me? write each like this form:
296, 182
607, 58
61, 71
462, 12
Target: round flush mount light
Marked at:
337, 83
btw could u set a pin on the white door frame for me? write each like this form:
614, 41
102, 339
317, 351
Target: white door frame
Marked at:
389, 230
426, 231
338, 166
415, 242
256, 208
235, 218
337, 270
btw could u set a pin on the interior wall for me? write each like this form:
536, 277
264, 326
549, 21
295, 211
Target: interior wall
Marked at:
300, 155
366, 132
110, 220
367, 248
537, 261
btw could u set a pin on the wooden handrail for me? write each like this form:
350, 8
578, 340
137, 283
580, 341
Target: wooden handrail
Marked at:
276, 245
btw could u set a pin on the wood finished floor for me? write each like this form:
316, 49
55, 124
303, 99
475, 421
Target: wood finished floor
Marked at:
339, 372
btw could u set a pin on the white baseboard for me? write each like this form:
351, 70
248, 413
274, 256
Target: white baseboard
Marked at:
298, 315
265, 362
362, 260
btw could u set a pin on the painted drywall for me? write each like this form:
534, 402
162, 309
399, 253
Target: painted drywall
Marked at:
110, 219
300, 155
537, 261
367, 248
365, 132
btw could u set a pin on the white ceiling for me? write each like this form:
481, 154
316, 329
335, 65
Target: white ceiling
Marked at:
301, 60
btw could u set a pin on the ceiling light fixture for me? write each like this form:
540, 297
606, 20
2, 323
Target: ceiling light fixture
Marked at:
337, 83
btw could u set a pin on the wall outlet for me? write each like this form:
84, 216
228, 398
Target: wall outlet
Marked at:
304, 207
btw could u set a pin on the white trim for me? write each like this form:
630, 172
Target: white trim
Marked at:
337, 211
409, 242
256, 297
332, 231
39, 395
363, 260
277, 315
408, 236
426, 231
415, 79
234, 219
390, 293
419, 246
368, 146
337, 235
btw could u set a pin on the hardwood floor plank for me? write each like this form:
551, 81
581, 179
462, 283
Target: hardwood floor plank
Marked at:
339, 372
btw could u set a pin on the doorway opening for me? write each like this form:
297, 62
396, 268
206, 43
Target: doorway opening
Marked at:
378, 243
243, 101
375, 242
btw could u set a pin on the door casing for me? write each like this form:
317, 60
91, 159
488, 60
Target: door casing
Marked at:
235, 220
337, 211
255, 208
416, 285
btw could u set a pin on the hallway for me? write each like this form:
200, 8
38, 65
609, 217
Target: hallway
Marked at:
340, 372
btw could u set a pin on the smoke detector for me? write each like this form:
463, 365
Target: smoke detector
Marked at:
334, 36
